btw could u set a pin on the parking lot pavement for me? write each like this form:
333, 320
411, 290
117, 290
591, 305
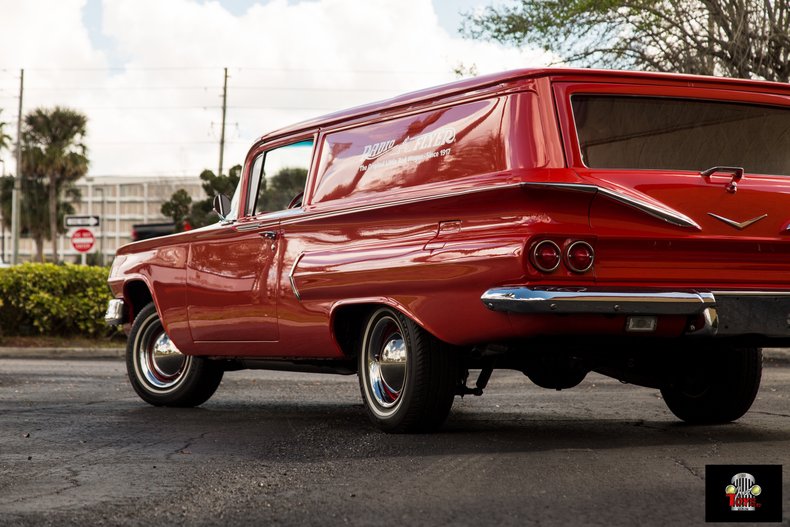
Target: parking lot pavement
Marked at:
771, 355
272, 448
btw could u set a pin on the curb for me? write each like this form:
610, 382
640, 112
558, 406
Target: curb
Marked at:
771, 356
62, 353
776, 356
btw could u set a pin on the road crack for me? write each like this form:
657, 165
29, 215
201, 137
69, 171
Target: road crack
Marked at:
185, 448
770, 413
688, 467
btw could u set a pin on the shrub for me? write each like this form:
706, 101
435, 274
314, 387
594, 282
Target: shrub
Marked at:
56, 300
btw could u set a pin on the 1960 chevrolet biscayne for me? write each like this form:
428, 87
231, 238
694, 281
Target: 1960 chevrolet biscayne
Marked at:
552, 221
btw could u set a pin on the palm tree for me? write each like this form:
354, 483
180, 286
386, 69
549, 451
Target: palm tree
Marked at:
5, 139
53, 153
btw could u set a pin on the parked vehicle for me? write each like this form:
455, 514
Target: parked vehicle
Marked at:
145, 231
552, 221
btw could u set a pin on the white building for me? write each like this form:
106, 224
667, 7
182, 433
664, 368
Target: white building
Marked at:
121, 203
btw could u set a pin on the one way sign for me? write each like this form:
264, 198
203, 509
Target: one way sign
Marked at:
81, 221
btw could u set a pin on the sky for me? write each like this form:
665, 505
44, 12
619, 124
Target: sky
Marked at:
149, 73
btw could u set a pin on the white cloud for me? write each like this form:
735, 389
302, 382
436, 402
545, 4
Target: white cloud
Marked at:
160, 113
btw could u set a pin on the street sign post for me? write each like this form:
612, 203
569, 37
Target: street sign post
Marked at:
71, 222
83, 240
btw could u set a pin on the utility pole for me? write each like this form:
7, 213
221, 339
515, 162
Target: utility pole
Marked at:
2, 223
222, 131
15, 228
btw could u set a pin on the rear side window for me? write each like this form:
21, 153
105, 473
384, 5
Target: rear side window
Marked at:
427, 148
681, 134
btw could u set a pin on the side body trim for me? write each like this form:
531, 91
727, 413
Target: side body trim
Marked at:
291, 277
665, 214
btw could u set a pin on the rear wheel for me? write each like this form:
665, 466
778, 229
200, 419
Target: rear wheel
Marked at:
407, 376
162, 375
717, 386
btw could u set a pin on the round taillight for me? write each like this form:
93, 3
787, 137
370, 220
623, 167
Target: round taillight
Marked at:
579, 257
546, 256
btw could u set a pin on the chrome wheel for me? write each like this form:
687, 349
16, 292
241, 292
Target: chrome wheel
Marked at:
386, 362
407, 377
159, 362
160, 373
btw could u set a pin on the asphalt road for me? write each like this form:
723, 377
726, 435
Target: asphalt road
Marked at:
270, 448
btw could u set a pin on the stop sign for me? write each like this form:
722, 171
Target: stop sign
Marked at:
82, 240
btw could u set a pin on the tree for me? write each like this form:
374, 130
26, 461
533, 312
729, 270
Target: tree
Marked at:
736, 38
54, 156
278, 191
5, 139
33, 207
177, 208
202, 211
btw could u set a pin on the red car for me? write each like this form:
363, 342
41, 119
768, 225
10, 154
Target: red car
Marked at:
552, 221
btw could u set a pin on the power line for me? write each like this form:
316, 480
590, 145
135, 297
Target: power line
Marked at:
202, 88
121, 88
309, 108
162, 143
239, 69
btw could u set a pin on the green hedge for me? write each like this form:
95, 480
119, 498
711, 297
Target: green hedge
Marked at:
56, 300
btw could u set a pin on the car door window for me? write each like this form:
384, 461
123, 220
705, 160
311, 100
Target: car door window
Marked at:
279, 177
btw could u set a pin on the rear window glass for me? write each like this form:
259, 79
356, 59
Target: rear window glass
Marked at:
681, 134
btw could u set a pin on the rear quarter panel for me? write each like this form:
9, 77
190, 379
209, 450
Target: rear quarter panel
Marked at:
426, 231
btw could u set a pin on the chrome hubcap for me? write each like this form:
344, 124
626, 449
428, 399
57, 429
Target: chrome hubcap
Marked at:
386, 362
160, 361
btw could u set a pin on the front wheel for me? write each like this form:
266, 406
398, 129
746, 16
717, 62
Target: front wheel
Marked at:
407, 376
716, 386
162, 375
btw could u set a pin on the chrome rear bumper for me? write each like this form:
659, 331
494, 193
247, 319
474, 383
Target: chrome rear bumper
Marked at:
726, 313
583, 300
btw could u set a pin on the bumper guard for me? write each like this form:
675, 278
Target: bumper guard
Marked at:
116, 312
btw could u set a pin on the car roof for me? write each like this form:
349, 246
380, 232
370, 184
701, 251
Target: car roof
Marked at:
556, 74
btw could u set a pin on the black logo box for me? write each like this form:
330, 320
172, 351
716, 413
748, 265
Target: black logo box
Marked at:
717, 503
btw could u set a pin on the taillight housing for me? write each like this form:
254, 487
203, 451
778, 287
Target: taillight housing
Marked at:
546, 256
579, 257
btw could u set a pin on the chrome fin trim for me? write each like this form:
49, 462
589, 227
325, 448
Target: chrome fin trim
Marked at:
291, 278
665, 214
738, 225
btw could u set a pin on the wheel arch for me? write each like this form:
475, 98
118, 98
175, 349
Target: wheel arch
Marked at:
137, 294
347, 320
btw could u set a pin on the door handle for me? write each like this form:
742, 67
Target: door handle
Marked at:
737, 174
269, 235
